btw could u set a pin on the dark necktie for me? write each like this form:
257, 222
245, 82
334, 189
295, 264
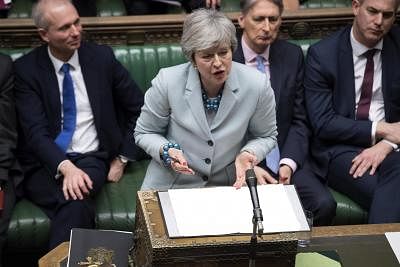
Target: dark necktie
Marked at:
273, 156
366, 87
69, 110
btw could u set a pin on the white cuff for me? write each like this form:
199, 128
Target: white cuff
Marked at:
291, 163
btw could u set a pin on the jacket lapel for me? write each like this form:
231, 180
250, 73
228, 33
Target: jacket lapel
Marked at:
90, 73
345, 90
389, 53
276, 68
194, 100
50, 82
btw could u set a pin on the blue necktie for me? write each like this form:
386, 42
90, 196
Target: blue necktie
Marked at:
69, 110
273, 156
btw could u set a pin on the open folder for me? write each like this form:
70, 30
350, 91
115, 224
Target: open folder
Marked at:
226, 210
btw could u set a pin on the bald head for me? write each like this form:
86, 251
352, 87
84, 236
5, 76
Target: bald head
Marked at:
40, 9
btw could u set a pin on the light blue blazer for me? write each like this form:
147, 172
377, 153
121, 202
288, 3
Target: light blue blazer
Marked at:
174, 111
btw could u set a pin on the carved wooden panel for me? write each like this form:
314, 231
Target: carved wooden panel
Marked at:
153, 29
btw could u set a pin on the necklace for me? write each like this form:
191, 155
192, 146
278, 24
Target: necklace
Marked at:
211, 103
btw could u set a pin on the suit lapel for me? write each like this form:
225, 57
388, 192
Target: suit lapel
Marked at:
389, 54
50, 83
346, 86
276, 68
194, 100
238, 55
228, 100
90, 73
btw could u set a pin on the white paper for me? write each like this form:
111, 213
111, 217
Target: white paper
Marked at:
226, 210
394, 241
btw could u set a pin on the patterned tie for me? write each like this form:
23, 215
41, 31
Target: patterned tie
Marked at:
69, 110
273, 156
366, 87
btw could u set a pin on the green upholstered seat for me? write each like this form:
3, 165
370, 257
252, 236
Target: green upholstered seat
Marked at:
325, 3
20, 9
110, 8
230, 5
144, 62
347, 211
115, 209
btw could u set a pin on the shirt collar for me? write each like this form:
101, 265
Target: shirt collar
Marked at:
250, 55
359, 48
73, 61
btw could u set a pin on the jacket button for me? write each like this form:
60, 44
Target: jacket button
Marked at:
205, 178
210, 143
207, 161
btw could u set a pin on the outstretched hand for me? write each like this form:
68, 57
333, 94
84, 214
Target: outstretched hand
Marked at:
244, 161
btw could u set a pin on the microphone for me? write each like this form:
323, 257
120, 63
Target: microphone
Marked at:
251, 182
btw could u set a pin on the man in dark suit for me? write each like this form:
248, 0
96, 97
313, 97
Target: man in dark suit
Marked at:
10, 174
77, 108
352, 89
283, 62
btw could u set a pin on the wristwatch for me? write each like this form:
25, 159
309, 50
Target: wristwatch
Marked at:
123, 159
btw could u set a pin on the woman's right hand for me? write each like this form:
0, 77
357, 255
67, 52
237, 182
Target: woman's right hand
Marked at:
179, 162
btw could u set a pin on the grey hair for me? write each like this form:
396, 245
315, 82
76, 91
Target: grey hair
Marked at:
396, 4
204, 29
246, 5
38, 12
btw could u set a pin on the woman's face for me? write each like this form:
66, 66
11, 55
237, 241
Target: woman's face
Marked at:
214, 65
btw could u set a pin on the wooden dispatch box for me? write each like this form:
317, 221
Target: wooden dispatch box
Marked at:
153, 247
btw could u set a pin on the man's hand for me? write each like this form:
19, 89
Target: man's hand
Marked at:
370, 158
76, 183
389, 131
116, 170
263, 177
285, 174
243, 162
213, 3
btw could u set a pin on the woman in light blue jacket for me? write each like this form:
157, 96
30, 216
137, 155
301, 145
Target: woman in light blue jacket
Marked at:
207, 121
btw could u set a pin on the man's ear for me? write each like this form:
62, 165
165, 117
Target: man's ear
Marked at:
43, 34
241, 21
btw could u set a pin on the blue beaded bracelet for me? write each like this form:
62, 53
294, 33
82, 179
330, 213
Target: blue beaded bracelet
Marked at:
165, 155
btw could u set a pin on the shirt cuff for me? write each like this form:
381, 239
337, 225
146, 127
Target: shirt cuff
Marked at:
373, 132
59, 174
395, 146
291, 163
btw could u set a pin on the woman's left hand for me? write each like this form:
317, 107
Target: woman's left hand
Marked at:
243, 162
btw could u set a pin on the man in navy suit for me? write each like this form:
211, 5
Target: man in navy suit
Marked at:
283, 62
352, 90
77, 108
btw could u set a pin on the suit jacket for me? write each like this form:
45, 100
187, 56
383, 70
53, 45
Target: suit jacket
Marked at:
8, 123
111, 91
286, 69
174, 111
330, 95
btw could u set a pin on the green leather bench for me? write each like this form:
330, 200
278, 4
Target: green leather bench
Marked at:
28, 230
22, 8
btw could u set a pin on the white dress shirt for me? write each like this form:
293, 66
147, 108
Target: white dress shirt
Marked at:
85, 135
